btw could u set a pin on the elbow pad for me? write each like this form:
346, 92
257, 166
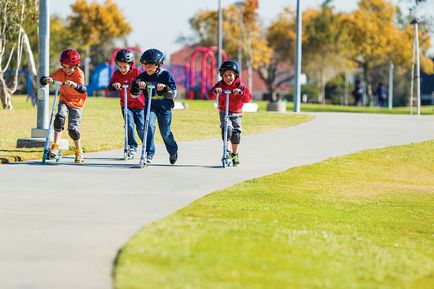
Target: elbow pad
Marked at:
134, 90
169, 94
43, 80
81, 88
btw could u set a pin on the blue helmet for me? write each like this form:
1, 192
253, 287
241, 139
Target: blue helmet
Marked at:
152, 56
229, 65
124, 55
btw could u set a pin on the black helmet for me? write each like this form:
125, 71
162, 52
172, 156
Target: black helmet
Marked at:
152, 56
229, 65
124, 55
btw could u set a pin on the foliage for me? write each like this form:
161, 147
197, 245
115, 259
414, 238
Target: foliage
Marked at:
325, 50
204, 23
92, 27
377, 40
17, 16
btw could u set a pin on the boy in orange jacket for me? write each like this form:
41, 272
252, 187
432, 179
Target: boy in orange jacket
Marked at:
71, 101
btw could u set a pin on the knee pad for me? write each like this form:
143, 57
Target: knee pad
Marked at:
229, 133
59, 121
74, 134
236, 137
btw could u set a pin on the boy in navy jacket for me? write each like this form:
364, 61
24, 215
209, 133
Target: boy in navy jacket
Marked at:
162, 101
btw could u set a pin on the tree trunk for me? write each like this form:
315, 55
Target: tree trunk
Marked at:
5, 95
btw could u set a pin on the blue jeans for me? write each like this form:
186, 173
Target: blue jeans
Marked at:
135, 119
164, 118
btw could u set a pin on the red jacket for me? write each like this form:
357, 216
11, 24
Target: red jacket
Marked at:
138, 102
236, 101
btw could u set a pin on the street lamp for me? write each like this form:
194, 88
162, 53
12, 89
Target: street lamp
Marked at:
239, 5
219, 36
415, 66
297, 86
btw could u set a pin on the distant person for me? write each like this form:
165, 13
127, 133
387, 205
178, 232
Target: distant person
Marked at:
71, 101
358, 93
381, 94
126, 74
162, 101
230, 71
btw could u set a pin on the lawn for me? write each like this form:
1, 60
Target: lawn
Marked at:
363, 220
312, 107
102, 125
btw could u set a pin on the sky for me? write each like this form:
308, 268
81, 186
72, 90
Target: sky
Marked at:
157, 24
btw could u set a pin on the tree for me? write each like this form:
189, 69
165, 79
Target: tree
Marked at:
16, 16
281, 41
325, 48
377, 40
95, 26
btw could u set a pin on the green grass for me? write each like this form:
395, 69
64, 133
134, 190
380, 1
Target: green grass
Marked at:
360, 221
310, 107
102, 125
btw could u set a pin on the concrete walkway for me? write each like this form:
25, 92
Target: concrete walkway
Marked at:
62, 225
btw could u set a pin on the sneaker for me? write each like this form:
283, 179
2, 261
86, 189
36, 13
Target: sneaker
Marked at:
132, 153
149, 159
235, 160
229, 155
54, 151
173, 158
79, 158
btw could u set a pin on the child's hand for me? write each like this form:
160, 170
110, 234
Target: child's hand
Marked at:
160, 86
116, 85
71, 83
142, 84
237, 91
218, 90
49, 80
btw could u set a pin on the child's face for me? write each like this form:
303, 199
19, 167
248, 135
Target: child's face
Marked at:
150, 68
229, 77
68, 69
123, 67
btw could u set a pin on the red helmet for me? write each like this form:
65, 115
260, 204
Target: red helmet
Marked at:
70, 57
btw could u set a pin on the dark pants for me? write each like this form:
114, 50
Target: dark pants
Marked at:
164, 118
135, 119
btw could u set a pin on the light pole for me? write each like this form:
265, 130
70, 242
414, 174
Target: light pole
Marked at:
219, 37
391, 68
298, 52
240, 36
417, 62
44, 56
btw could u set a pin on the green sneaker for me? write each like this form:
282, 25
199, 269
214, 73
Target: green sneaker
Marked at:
235, 160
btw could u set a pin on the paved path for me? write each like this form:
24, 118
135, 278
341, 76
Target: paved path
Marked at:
61, 225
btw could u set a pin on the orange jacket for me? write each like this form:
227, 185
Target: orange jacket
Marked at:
69, 95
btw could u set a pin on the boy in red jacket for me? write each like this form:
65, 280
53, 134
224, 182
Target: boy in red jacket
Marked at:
229, 71
126, 74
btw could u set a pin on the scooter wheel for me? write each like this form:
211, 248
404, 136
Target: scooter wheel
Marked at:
142, 164
125, 156
224, 164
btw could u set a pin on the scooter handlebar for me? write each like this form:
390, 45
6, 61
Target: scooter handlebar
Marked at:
58, 82
227, 91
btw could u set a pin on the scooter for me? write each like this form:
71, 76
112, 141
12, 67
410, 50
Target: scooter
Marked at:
149, 86
126, 146
225, 160
46, 155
